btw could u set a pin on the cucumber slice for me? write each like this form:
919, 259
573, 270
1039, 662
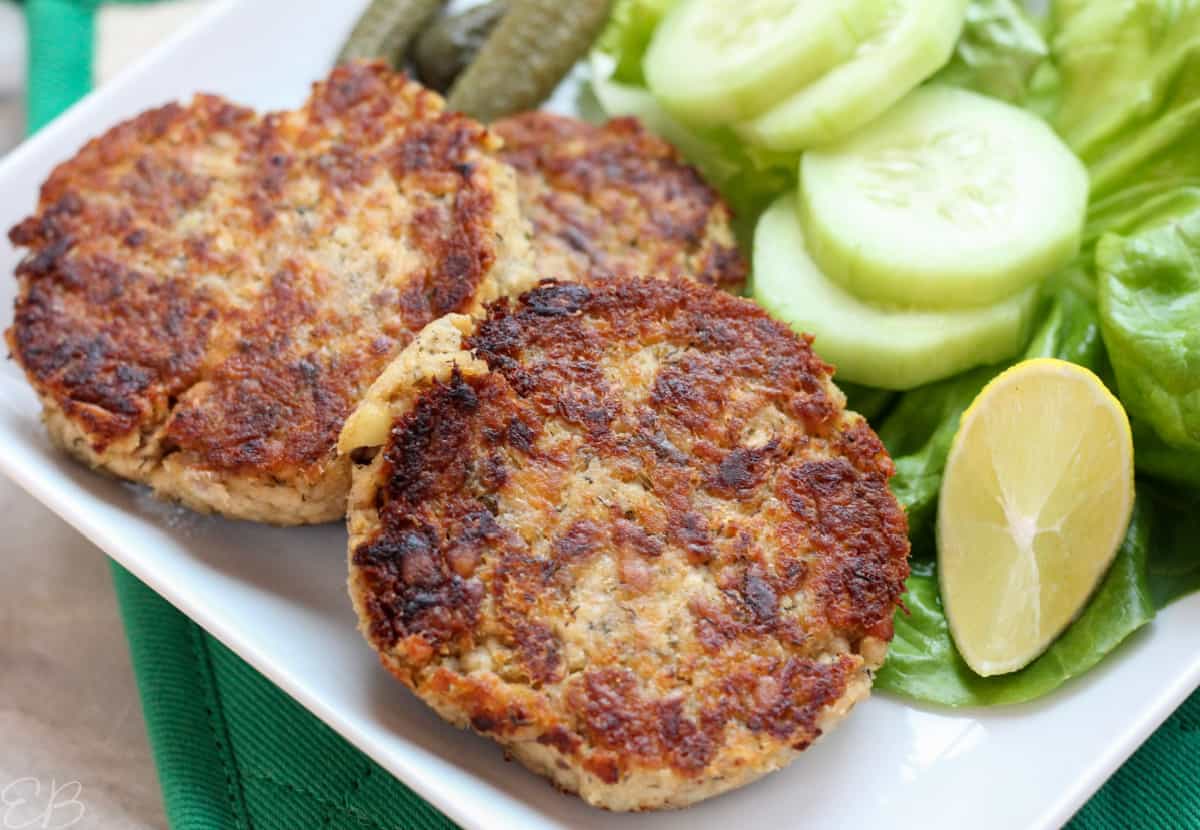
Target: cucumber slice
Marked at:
912, 41
890, 349
949, 200
720, 61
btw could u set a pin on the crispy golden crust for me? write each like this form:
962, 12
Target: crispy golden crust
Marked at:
208, 292
629, 531
616, 200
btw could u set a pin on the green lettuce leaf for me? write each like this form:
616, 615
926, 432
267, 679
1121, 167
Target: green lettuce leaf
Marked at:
1139, 205
1149, 289
917, 432
1129, 89
1173, 569
1069, 327
868, 401
1155, 457
999, 53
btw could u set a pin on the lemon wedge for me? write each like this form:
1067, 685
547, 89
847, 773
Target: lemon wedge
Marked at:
1036, 498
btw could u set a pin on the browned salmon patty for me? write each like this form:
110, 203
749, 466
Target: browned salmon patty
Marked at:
207, 291
627, 530
616, 200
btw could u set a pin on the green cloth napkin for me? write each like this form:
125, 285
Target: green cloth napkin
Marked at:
234, 752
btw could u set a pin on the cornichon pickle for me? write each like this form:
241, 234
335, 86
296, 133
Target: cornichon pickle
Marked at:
450, 43
527, 54
386, 29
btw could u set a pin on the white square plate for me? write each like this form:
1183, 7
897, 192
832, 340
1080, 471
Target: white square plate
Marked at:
277, 597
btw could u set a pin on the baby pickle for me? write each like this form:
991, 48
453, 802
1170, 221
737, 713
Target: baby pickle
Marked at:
527, 54
386, 29
450, 43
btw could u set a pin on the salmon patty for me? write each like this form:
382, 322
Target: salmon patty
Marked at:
615, 200
208, 291
627, 530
